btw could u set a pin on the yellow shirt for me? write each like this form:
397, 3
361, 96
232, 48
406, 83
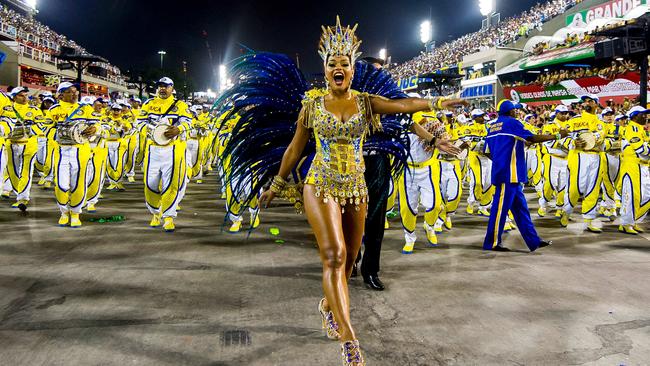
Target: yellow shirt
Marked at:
635, 146
64, 113
155, 108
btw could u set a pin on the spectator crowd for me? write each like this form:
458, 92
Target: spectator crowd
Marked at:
32, 33
610, 72
506, 32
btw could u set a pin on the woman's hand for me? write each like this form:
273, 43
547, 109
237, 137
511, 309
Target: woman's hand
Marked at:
266, 198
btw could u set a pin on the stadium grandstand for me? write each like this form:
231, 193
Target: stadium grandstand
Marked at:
29, 50
547, 48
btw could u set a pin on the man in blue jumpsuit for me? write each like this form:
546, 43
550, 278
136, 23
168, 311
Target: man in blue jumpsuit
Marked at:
506, 140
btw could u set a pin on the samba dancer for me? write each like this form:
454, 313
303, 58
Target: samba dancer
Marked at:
335, 193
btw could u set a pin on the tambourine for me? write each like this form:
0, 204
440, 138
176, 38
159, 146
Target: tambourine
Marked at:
589, 138
616, 145
158, 132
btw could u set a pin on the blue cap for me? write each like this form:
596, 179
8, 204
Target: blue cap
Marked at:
505, 106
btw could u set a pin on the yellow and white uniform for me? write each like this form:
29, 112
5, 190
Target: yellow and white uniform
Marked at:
534, 160
611, 162
21, 147
450, 184
165, 168
554, 163
46, 146
96, 174
196, 147
117, 144
5, 128
584, 167
70, 159
481, 189
635, 175
418, 186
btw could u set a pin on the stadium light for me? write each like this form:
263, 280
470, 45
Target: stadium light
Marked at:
425, 32
162, 56
486, 7
382, 54
31, 4
223, 78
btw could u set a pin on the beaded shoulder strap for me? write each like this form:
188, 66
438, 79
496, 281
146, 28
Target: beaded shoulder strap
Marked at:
373, 120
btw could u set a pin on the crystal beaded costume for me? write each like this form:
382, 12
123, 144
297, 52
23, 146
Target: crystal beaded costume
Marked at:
338, 165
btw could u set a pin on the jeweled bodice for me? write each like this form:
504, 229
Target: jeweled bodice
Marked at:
338, 166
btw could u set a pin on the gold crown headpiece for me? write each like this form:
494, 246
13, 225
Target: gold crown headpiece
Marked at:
339, 41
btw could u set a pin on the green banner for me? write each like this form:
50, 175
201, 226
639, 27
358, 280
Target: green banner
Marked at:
611, 9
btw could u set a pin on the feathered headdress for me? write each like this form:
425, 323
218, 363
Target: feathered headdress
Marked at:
339, 41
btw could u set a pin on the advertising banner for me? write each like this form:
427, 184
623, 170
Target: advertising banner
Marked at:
568, 91
612, 9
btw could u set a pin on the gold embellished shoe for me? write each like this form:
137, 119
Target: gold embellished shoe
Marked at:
351, 352
328, 322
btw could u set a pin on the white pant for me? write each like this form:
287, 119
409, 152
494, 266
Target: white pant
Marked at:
68, 176
17, 152
557, 178
419, 189
588, 174
192, 155
160, 172
41, 156
613, 168
114, 156
486, 180
629, 191
449, 182
6, 185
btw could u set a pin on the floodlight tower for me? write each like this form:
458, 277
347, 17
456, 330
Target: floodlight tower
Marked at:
426, 35
488, 10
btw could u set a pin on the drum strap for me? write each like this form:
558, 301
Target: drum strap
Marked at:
169, 109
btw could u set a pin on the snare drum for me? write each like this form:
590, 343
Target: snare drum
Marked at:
73, 133
21, 131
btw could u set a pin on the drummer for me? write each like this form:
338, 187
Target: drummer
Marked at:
165, 169
584, 163
72, 121
506, 142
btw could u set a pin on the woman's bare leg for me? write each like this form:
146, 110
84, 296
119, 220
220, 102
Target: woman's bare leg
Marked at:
326, 222
354, 223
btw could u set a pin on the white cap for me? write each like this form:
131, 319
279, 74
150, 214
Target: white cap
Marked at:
528, 116
606, 111
592, 97
50, 99
46, 94
165, 81
477, 113
18, 89
620, 117
461, 118
88, 99
64, 86
637, 110
561, 109
449, 113
136, 99
116, 106
552, 115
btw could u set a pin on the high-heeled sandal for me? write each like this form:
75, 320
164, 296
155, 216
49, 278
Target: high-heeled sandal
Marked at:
351, 352
328, 322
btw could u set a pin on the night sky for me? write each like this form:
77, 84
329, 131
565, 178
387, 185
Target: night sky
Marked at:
129, 33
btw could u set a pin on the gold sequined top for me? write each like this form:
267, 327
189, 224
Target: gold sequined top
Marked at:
337, 170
